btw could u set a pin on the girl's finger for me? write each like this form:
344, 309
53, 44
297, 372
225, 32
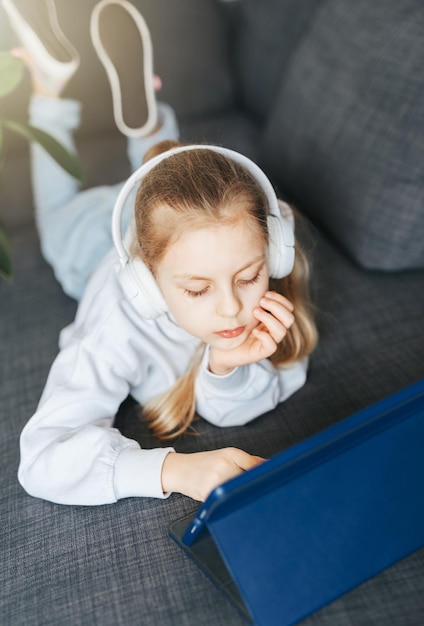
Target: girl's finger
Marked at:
267, 341
278, 297
278, 310
275, 327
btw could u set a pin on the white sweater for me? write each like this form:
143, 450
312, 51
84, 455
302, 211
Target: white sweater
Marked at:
70, 452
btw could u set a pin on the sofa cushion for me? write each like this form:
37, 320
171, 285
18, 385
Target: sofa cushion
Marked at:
265, 38
346, 136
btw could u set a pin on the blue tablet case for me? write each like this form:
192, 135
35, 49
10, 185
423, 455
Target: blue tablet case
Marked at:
304, 527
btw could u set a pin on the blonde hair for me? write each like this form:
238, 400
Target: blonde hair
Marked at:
197, 189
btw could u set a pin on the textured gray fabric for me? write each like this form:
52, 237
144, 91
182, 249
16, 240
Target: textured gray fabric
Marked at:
234, 130
346, 136
266, 37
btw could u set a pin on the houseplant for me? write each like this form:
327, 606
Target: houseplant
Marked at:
11, 73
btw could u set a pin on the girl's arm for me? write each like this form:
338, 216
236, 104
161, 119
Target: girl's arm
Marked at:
70, 452
247, 391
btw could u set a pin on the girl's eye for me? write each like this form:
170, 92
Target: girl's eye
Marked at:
251, 281
196, 294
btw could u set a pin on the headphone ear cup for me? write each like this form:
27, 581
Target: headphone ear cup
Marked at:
141, 289
281, 251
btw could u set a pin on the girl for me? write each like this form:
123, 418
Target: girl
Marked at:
200, 308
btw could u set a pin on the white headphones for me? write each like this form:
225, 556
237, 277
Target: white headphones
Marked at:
135, 277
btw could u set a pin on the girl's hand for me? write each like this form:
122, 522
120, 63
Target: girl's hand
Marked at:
197, 474
275, 316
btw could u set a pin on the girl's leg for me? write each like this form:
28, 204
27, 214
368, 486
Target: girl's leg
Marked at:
52, 186
122, 40
73, 225
167, 129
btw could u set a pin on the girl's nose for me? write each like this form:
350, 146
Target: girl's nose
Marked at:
229, 304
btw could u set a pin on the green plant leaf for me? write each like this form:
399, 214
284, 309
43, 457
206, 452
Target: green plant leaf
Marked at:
61, 155
11, 72
5, 260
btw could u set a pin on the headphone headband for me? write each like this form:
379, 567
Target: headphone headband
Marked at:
147, 167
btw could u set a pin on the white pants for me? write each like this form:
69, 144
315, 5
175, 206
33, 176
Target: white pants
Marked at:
73, 225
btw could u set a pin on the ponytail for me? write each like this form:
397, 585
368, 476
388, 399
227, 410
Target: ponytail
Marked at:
172, 413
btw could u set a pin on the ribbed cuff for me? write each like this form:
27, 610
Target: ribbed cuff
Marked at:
138, 473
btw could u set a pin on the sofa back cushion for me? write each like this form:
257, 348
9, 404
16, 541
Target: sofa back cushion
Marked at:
266, 36
345, 139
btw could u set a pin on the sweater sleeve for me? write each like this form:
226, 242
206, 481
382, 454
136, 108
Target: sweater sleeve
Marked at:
70, 452
246, 392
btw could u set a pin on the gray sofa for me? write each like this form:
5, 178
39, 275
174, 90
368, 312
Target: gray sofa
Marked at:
328, 97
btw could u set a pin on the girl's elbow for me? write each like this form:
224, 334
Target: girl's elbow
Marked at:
24, 479
29, 479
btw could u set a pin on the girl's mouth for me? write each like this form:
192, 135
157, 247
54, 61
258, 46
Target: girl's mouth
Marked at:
230, 334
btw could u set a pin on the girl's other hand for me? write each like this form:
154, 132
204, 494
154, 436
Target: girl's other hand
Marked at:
275, 317
197, 474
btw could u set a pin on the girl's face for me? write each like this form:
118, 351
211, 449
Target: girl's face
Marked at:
212, 279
